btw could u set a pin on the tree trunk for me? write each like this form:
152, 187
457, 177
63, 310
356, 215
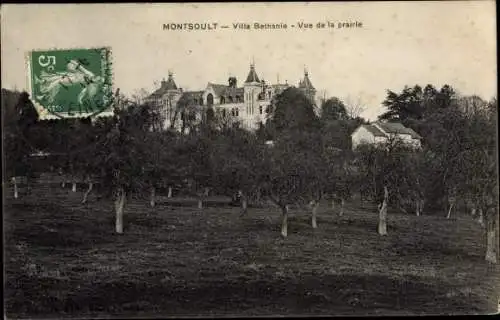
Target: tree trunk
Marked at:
491, 245
473, 212
200, 203
480, 220
332, 204
28, 186
342, 202
449, 210
152, 199
401, 204
284, 221
314, 211
73, 187
169, 195
16, 191
119, 206
382, 220
86, 194
497, 233
244, 204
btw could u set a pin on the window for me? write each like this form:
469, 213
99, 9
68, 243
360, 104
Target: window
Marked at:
210, 100
237, 112
224, 112
222, 100
230, 98
233, 113
260, 109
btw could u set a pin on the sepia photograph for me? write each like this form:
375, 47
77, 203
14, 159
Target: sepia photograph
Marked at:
165, 160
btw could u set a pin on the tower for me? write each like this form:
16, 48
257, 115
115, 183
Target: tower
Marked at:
171, 96
307, 88
252, 88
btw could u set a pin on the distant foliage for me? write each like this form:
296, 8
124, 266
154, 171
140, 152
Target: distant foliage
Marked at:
293, 110
333, 109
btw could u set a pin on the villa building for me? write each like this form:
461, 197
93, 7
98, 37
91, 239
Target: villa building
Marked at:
249, 103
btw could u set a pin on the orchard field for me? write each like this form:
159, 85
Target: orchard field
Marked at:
63, 259
426, 242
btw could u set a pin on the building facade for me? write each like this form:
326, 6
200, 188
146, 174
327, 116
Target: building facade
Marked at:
381, 132
250, 103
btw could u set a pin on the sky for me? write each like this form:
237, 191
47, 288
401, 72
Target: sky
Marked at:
399, 43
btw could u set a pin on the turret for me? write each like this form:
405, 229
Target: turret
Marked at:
252, 89
306, 86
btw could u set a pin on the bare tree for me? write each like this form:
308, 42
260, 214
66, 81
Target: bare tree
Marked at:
354, 106
139, 96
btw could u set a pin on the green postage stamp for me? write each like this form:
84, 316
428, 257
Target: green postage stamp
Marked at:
72, 83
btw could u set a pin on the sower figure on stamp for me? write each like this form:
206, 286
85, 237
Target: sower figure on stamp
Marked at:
76, 74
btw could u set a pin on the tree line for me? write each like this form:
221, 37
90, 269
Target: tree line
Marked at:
309, 160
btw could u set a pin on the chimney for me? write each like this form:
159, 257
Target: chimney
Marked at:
232, 82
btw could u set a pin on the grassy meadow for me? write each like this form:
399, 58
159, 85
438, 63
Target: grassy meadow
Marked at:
63, 259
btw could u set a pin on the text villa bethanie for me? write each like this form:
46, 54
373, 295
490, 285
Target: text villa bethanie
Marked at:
209, 26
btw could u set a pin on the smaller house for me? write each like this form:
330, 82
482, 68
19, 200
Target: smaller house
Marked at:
381, 132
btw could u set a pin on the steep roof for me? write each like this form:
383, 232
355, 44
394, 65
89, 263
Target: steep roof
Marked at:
280, 86
170, 84
219, 89
157, 93
235, 91
306, 83
398, 128
165, 86
223, 90
373, 130
192, 96
252, 75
